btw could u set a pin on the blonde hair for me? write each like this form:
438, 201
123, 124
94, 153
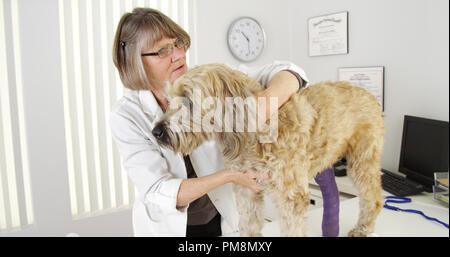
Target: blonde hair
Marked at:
142, 28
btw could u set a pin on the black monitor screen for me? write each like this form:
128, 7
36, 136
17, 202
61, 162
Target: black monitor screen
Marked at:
424, 149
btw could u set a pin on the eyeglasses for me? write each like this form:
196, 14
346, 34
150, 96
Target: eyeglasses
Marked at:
168, 49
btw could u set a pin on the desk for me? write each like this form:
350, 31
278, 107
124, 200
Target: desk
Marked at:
389, 223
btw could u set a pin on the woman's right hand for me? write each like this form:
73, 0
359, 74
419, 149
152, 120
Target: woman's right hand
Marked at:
248, 179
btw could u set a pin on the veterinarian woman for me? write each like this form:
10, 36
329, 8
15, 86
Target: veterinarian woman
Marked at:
178, 195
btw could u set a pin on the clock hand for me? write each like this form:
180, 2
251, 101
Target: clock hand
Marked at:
248, 40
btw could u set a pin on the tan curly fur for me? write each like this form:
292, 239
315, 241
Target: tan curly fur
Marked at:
316, 127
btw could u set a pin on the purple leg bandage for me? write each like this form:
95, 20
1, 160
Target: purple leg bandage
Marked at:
330, 195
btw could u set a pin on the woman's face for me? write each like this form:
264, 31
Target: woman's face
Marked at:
160, 70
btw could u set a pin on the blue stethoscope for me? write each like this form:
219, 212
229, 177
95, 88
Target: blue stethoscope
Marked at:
399, 199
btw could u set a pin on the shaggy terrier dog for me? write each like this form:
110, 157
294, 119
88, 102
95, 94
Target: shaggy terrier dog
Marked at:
314, 129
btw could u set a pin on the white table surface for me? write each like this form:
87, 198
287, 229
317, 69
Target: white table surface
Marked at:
389, 223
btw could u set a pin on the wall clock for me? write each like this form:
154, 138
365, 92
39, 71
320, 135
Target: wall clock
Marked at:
246, 39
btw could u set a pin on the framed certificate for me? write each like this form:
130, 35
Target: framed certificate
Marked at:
369, 78
328, 34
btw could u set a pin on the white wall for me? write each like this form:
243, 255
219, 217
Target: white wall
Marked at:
214, 16
409, 38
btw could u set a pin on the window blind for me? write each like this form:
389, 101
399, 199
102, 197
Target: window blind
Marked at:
91, 87
15, 191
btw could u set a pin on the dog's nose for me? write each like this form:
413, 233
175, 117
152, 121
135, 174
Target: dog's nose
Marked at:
158, 131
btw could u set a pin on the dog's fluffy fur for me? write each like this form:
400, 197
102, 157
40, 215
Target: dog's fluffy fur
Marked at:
316, 127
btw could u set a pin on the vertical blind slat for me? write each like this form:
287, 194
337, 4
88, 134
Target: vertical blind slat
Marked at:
95, 177
5, 219
80, 103
77, 149
86, 108
19, 145
103, 110
66, 101
15, 207
112, 100
5, 215
107, 103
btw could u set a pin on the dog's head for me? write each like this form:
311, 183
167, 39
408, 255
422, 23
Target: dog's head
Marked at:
201, 103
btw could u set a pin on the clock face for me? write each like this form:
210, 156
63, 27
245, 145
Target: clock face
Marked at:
246, 39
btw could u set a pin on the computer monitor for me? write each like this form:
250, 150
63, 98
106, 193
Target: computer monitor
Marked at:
424, 149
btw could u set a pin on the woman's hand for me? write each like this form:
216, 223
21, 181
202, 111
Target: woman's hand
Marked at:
248, 179
193, 188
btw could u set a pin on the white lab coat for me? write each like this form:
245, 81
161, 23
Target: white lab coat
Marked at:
157, 172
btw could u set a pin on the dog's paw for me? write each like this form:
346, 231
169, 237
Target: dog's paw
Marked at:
359, 232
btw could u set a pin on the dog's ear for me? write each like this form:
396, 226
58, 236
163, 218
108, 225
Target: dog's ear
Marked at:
231, 145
